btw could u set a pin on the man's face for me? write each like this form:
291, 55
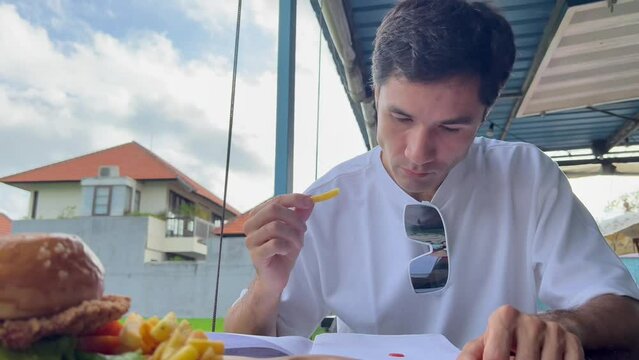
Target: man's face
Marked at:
425, 129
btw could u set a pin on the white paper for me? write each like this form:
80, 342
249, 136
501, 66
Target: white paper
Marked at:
360, 346
261, 346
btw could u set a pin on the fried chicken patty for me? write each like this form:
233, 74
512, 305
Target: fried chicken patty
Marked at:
81, 319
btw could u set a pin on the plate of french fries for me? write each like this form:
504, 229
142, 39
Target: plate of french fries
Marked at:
168, 339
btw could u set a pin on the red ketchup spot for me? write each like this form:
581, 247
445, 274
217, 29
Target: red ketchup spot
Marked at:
397, 355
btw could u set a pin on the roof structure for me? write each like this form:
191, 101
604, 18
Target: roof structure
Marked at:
234, 228
132, 159
573, 90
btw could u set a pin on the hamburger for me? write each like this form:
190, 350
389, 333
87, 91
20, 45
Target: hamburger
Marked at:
51, 295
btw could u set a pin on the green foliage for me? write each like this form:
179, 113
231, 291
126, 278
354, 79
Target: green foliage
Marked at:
626, 203
67, 213
205, 324
176, 257
160, 215
195, 210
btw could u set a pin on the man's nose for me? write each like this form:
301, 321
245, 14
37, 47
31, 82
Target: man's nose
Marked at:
420, 146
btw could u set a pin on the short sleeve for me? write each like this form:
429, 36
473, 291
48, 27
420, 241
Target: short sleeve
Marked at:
571, 259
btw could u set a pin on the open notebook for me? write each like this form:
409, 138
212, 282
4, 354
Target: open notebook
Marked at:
359, 346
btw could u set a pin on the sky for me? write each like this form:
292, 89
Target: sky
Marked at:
78, 76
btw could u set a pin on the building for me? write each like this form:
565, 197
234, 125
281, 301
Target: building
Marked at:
151, 226
127, 180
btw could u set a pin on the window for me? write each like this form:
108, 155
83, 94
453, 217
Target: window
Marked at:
179, 204
127, 203
34, 208
101, 200
136, 202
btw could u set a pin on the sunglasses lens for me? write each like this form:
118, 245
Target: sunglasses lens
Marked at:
424, 224
429, 273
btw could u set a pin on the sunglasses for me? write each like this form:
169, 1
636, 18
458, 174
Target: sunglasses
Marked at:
424, 224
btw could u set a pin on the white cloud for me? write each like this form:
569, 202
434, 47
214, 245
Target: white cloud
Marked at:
110, 91
220, 16
265, 14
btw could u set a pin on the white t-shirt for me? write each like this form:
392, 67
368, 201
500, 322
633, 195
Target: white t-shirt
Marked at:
515, 232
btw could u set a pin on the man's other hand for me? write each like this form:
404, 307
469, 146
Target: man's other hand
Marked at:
274, 237
513, 335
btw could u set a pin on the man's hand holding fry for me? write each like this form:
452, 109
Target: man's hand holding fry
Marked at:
274, 238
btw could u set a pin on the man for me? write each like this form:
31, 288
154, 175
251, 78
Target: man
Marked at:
514, 229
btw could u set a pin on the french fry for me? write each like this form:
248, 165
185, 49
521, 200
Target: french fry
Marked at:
163, 329
209, 354
157, 354
325, 196
177, 340
148, 342
187, 352
198, 334
130, 335
203, 346
154, 320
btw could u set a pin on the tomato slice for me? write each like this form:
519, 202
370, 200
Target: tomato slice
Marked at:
103, 344
113, 328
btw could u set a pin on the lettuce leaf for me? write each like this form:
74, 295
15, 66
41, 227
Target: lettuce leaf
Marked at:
62, 348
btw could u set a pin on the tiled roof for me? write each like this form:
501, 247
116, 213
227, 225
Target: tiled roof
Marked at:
234, 228
133, 160
5, 224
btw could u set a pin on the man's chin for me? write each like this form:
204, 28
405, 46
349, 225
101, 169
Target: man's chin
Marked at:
420, 191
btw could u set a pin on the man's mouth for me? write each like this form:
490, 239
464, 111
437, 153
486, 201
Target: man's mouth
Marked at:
416, 174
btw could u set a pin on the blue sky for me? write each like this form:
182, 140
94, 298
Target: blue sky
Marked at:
73, 21
80, 76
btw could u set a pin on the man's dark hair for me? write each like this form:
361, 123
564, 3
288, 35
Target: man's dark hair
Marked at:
431, 40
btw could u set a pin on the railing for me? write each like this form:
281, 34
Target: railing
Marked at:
186, 226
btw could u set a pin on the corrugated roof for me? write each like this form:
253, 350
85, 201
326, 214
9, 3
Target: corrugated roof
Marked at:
534, 24
133, 160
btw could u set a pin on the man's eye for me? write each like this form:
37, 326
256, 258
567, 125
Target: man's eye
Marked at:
450, 129
401, 118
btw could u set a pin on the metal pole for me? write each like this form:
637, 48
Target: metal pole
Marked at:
284, 133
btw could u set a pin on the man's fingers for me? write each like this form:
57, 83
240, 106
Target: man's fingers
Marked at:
276, 210
529, 338
295, 200
500, 333
574, 349
554, 341
473, 350
276, 247
274, 230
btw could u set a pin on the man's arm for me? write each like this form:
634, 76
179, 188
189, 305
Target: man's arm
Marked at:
274, 238
255, 313
605, 322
